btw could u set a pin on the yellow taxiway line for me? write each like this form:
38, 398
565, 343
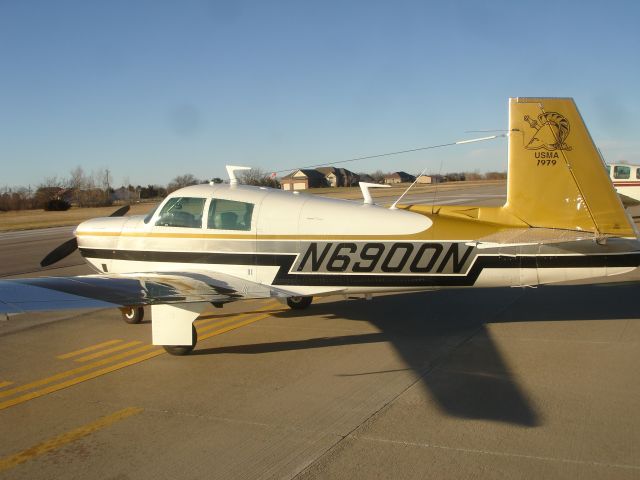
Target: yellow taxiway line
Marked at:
87, 349
5, 384
102, 353
69, 373
234, 326
151, 351
74, 381
66, 438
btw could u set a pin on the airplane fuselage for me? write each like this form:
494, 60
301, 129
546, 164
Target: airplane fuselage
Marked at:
313, 245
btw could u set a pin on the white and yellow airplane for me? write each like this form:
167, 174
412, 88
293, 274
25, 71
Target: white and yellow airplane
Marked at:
562, 221
626, 181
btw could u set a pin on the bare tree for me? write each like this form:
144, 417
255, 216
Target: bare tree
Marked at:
100, 193
52, 182
77, 182
257, 176
378, 176
475, 175
182, 181
50, 189
495, 175
77, 178
16, 198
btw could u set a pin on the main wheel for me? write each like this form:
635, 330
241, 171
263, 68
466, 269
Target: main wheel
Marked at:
180, 350
299, 303
132, 314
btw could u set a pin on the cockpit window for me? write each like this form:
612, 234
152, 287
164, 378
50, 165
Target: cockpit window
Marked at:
229, 215
621, 172
182, 212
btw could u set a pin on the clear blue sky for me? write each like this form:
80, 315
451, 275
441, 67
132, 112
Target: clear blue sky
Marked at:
153, 89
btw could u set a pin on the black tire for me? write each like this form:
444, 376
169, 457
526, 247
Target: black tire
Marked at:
180, 350
299, 303
132, 314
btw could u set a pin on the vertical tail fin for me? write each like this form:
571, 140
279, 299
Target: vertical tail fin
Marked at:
557, 178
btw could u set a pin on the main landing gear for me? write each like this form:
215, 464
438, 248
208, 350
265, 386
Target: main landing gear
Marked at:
180, 350
132, 314
299, 303
172, 326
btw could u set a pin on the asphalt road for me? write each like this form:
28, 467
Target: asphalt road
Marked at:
497, 383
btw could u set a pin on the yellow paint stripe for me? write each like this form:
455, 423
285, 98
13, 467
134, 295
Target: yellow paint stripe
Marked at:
201, 323
66, 438
74, 381
203, 328
87, 349
222, 236
5, 384
208, 319
206, 328
69, 373
168, 235
102, 353
234, 326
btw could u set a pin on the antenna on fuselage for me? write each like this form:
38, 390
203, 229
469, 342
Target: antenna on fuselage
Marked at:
231, 170
366, 194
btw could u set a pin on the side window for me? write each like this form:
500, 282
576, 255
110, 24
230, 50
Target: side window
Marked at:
621, 172
229, 215
637, 173
182, 212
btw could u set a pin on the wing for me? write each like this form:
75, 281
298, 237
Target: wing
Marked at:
111, 290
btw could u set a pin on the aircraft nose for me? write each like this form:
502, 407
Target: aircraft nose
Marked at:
99, 232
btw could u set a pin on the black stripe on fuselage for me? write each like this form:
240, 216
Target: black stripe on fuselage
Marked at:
285, 261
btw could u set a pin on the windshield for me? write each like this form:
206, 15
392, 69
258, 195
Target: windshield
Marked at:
183, 212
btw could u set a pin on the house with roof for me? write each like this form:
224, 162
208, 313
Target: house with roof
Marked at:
398, 177
320, 177
303, 179
339, 177
428, 179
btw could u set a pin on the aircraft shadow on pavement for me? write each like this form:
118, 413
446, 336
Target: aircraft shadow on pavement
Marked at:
443, 337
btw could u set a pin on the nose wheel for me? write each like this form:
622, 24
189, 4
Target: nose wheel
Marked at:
132, 314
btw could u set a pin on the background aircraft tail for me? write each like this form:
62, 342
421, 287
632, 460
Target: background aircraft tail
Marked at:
557, 178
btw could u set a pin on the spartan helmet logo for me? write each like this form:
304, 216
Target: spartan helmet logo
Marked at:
551, 131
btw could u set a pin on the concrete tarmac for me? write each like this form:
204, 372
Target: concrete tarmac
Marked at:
485, 383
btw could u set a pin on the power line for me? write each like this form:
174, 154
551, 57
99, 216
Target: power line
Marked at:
431, 147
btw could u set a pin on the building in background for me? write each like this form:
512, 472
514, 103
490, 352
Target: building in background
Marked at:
321, 177
428, 179
398, 177
339, 177
303, 179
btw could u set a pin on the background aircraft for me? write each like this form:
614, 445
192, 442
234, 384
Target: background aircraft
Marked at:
626, 181
220, 243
